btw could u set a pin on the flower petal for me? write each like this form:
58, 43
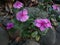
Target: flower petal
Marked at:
42, 28
25, 18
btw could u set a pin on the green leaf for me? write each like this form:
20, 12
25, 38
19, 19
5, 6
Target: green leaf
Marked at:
15, 10
25, 33
34, 34
37, 38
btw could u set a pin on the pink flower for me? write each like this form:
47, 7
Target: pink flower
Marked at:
42, 24
9, 25
17, 4
22, 15
55, 7
58, 9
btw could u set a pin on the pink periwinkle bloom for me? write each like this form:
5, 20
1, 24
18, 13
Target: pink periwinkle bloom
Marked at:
55, 7
22, 15
9, 25
18, 5
42, 24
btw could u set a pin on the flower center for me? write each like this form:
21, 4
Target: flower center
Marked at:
17, 4
42, 24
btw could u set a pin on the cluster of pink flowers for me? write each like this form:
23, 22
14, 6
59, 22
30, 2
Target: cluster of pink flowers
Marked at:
22, 16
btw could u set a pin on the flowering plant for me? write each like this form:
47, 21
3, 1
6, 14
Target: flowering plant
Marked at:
29, 25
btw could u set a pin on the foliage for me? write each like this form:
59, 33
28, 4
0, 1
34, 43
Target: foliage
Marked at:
28, 29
